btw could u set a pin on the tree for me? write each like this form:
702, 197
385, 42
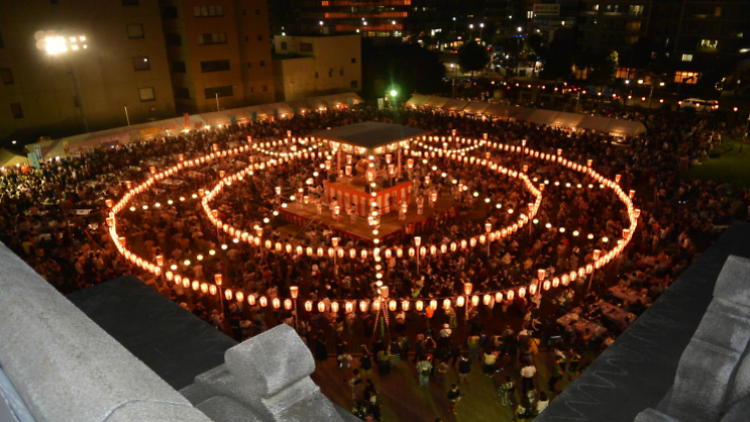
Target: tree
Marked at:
604, 69
408, 66
558, 64
472, 57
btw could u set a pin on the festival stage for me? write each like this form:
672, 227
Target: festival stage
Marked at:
390, 226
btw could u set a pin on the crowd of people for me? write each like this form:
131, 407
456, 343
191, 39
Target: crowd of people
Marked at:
53, 218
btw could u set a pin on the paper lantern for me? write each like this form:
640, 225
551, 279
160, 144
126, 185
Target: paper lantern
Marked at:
212, 289
405, 305
474, 300
393, 305
228, 294
532, 289
433, 304
447, 304
276, 302
498, 297
196, 285
573, 276
352, 253
555, 282
376, 305
468, 287
522, 292
263, 301
321, 306
565, 279
419, 306
240, 297
335, 307
460, 301
487, 299
251, 300
349, 307
363, 305
204, 287
287, 304
218, 279
308, 305
186, 283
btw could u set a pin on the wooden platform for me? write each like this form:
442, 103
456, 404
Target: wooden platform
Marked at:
390, 226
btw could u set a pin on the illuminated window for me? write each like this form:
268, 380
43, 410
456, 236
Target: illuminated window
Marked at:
636, 10
208, 11
686, 77
135, 31
146, 94
324, 3
633, 26
709, 44
687, 57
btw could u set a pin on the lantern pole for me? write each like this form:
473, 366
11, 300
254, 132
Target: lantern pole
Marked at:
596, 254
467, 292
294, 291
218, 278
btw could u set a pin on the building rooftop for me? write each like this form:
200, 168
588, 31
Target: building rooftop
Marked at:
370, 134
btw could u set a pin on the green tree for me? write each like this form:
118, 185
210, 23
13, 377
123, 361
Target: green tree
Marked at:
407, 66
472, 57
558, 63
604, 69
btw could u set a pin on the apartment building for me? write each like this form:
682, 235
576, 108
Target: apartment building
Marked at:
116, 70
308, 66
219, 52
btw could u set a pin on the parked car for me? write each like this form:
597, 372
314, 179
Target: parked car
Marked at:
699, 105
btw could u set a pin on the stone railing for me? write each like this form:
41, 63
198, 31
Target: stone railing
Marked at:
65, 367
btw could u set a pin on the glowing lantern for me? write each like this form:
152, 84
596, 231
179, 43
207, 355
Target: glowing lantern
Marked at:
522, 292
393, 305
196, 285
474, 300
447, 304
228, 294
335, 307
486, 300
420, 306
263, 301
555, 282
308, 305
287, 304
251, 300
376, 305
240, 297
218, 279
276, 302
433, 304
498, 297
363, 306
212, 290
405, 305
204, 287
321, 306
349, 307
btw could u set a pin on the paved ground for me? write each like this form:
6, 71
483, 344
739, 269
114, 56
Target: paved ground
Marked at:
404, 400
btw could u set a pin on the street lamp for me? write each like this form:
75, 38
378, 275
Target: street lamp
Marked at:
481, 31
321, 26
58, 45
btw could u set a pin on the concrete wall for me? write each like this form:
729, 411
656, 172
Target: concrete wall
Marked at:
248, 49
337, 65
65, 367
106, 77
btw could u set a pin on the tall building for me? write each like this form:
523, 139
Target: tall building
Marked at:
613, 24
219, 52
309, 66
699, 35
122, 73
376, 18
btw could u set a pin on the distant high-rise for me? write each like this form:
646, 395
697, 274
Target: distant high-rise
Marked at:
219, 52
372, 18
121, 74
